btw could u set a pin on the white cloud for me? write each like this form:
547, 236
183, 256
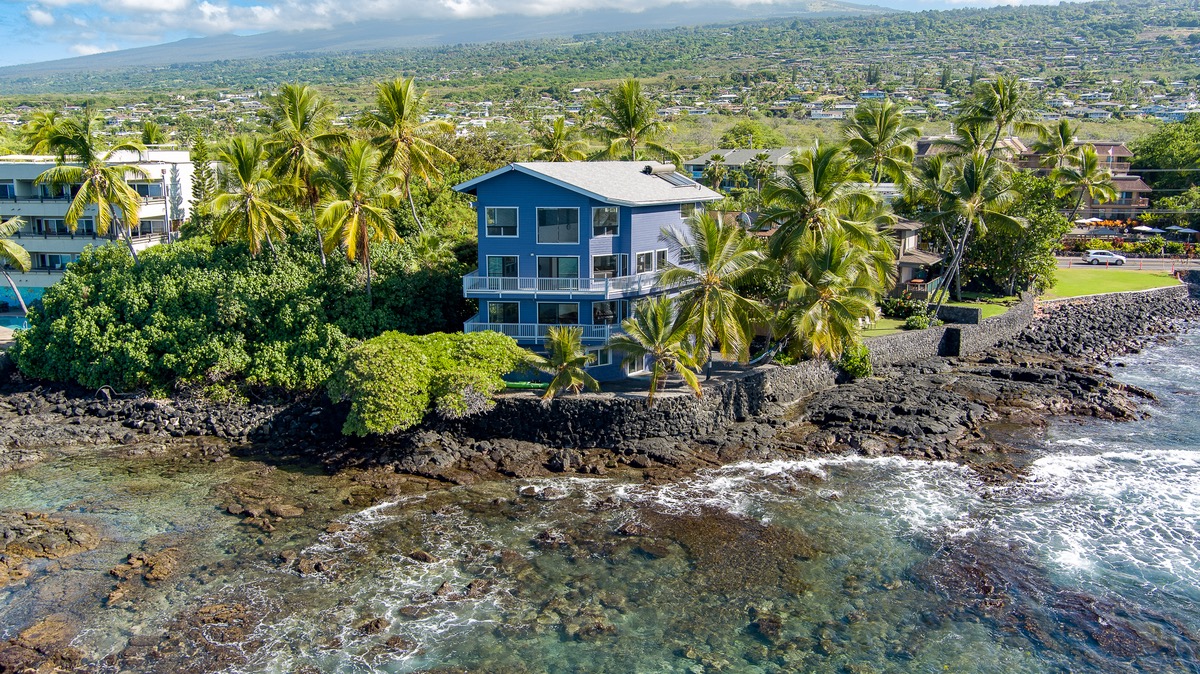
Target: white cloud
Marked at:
39, 17
89, 49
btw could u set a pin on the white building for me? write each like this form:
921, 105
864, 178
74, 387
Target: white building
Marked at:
166, 193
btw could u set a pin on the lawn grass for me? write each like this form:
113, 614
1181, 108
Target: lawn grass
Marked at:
884, 326
989, 308
1076, 282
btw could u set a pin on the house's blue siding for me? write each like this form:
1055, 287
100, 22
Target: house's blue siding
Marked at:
640, 231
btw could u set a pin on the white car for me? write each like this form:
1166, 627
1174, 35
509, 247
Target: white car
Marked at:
1103, 257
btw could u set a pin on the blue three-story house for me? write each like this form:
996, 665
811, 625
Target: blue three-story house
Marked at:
574, 243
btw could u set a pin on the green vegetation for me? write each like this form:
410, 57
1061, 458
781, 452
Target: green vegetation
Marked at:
856, 361
1077, 282
13, 255
660, 332
884, 326
394, 380
194, 317
565, 362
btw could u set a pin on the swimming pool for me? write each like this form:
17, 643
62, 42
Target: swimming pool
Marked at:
13, 322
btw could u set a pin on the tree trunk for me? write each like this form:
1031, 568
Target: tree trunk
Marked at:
367, 255
271, 245
12, 284
412, 204
1078, 203
126, 230
320, 238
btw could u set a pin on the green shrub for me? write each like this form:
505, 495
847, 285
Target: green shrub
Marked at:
1176, 248
856, 361
918, 322
208, 319
1097, 244
902, 306
394, 380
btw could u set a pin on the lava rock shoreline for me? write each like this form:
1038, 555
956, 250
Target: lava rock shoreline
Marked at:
935, 408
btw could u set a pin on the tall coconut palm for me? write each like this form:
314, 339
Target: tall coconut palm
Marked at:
83, 164
152, 134
1056, 144
818, 188
627, 121
1088, 177
559, 143
36, 133
759, 169
880, 139
408, 144
829, 288
565, 361
975, 196
360, 192
721, 255
13, 255
998, 104
660, 332
249, 203
300, 139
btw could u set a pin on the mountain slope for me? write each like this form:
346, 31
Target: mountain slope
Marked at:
390, 35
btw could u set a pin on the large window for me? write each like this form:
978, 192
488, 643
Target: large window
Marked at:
558, 225
558, 267
687, 210
602, 357
504, 312
660, 259
604, 266
146, 190
605, 221
504, 266
605, 313
645, 262
7, 191
501, 221
552, 313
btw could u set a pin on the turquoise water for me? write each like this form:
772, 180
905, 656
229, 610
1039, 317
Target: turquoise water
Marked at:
1089, 562
13, 322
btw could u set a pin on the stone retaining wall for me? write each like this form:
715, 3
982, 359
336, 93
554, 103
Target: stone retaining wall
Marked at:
951, 340
1181, 292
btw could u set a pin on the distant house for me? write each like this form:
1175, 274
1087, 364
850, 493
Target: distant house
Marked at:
827, 114
736, 160
574, 243
915, 265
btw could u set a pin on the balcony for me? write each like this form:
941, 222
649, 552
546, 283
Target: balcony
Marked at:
606, 288
537, 331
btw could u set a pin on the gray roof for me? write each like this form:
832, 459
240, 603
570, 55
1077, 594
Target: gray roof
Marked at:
624, 183
780, 157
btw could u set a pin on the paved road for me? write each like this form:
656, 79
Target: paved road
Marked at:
1137, 263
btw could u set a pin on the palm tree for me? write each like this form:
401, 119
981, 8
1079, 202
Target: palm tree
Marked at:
759, 168
38, 130
627, 120
829, 287
658, 331
974, 196
361, 191
428, 250
13, 255
715, 172
880, 138
999, 103
565, 361
722, 255
248, 202
152, 134
558, 143
82, 160
1088, 177
408, 144
1056, 144
300, 140
817, 189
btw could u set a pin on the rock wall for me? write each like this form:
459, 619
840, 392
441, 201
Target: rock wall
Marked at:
951, 340
962, 315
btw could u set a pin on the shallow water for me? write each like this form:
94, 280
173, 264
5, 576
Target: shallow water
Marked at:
1091, 562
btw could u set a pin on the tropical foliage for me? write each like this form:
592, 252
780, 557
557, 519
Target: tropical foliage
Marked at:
628, 123
12, 254
565, 362
659, 335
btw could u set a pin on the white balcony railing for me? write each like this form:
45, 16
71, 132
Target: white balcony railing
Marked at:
537, 331
616, 286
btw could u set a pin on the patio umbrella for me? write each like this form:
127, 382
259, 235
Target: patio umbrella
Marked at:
1174, 228
1147, 229
1093, 220
1187, 230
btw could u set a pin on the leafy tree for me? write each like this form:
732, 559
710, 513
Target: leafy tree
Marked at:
83, 160
759, 169
715, 172
566, 361
752, 134
361, 191
1173, 146
558, 143
628, 120
13, 255
409, 145
660, 332
203, 187
247, 205
880, 139
394, 380
1087, 178
1182, 210
722, 256
300, 139
1007, 259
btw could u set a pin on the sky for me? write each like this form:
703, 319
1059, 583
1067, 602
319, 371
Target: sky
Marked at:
54, 29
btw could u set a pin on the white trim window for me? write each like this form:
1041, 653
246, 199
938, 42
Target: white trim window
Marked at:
687, 210
558, 225
504, 312
606, 221
660, 259
558, 313
603, 357
645, 262
503, 266
500, 221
